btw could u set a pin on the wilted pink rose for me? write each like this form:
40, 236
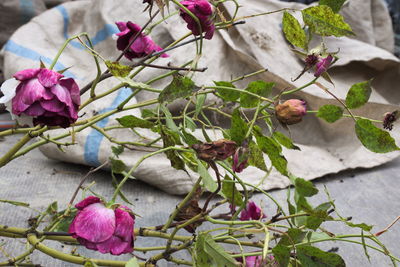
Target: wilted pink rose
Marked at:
291, 111
44, 95
322, 65
240, 159
257, 261
203, 10
103, 229
252, 212
142, 46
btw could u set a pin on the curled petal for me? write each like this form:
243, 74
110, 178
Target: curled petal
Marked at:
73, 89
35, 110
8, 88
53, 105
124, 225
26, 74
115, 246
87, 201
48, 78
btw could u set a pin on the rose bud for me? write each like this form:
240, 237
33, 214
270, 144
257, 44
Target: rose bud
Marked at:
203, 10
240, 159
291, 111
43, 95
252, 212
103, 229
217, 150
390, 118
142, 46
322, 65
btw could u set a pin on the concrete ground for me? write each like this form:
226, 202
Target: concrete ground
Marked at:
370, 196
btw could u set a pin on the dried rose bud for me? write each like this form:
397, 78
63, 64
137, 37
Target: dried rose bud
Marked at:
291, 111
323, 65
217, 150
390, 118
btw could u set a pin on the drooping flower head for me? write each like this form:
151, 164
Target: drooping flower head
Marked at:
142, 46
291, 111
389, 119
252, 212
217, 150
322, 65
103, 229
203, 10
43, 95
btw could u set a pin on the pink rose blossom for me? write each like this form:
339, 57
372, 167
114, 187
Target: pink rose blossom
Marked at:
203, 10
103, 229
323, 65
142, 46
252, 212
43, 95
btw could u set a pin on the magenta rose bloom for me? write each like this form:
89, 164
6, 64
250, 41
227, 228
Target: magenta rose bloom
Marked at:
44, 95
103, 229
252, 212
142, 46
257, 261
203, 10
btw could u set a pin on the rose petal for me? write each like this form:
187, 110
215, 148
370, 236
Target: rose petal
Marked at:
27, 93
53, 105
8, 88
62, 94
26, 74
95, 223
121, 25
48, 78
34, 110
73, 89
124, 225
115, 246
87, 201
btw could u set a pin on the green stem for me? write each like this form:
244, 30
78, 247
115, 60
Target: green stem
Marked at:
240, 91
299, 88
349, 116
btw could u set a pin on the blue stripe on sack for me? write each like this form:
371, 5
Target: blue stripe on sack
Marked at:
27, 53
93, 140
27, 10
100, 36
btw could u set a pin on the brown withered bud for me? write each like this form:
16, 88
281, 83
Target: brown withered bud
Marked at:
291, 111
190, 210
216, 150
390, 118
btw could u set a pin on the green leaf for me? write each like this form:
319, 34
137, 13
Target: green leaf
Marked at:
260, 88
117, 69
171, 139
270, 147
318, 216
15, 203
52, 208
202, 259
294, 33
225, 94
216, 252
117, 166
314, 257
65, 222
230, 192
208, 181
363, 226
373, 138
169, 120
358, 94
284, 140
189, 138
305, 188
335, 5
180, 87
117, 150
323, 21
131, 121
190, 123
282, 255
239, 127
330, 113
256, 157
132, 263
147, 113
200, 99
292, 236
